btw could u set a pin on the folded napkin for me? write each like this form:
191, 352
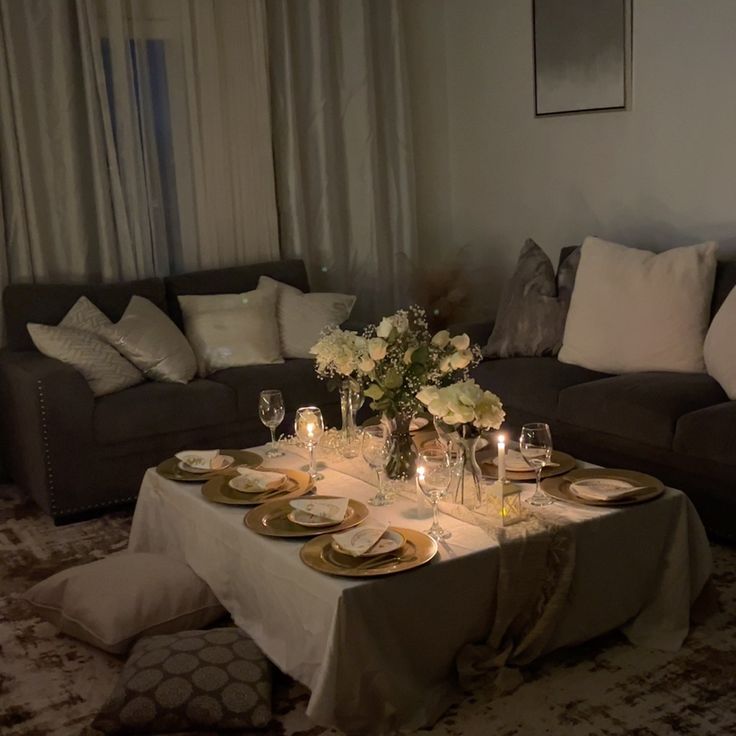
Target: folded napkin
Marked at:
329, 509
603, 489
200, 458
359, 540
514, 462
261, 478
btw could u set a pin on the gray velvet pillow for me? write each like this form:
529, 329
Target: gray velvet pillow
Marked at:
533, 308
194, 681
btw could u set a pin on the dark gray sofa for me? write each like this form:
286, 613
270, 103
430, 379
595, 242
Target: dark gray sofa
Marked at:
76, 454
678, 427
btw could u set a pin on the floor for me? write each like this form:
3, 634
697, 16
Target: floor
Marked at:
53, 685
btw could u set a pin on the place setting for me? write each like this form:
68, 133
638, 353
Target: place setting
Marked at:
603, 487
197, 466
247, 486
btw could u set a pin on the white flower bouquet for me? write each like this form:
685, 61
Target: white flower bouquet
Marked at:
463, 403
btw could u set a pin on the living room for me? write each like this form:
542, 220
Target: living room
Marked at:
333, 161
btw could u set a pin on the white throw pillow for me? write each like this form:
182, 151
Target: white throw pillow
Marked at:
112, 602
720, 346
632, 310
151, 341
302, 317
232, 330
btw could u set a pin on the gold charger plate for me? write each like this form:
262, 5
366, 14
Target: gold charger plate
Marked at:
565, 463
270, 519
170, 469
298, 483
418, 549
559, 487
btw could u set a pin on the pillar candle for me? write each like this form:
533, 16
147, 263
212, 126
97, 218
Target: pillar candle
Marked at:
501, 457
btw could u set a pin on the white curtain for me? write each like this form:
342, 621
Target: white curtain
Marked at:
135, 138
342, 145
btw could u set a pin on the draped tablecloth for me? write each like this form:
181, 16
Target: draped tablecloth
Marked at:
381, 654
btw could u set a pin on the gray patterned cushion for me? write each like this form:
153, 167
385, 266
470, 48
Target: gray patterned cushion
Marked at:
85, 316
533, 308
104, 368
216, 680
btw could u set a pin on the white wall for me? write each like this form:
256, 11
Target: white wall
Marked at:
491, 174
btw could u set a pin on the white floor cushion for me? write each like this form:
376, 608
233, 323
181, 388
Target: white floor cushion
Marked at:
633, 310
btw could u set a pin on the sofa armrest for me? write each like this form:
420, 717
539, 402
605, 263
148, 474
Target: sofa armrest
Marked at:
47, 412
478, 332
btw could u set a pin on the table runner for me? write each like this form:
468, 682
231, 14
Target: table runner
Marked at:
380, 654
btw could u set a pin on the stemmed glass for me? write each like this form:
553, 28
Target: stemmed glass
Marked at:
535, 445
271, 411
433, 474
309, 426
376, 449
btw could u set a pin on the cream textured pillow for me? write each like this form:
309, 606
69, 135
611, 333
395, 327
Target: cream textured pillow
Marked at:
720, 346
152, 342
105, 370
232, 330
632, 310
112, 602
302, 317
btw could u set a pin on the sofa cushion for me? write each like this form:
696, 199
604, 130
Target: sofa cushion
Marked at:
295, 378
163, 408
531, 383
709, 433
48, 303
640, 406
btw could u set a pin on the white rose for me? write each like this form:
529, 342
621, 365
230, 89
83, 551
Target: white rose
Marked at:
460, 342
401, 323
461, 360
445, 366
407, 356
384, 328
441, 339
427, 394
377, 347
366, 364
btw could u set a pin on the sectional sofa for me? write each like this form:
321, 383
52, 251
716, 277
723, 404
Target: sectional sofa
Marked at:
679, 427
76, 454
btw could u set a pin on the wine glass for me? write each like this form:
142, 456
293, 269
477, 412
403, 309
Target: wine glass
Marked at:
376, 449
271, 411
535, 445
433, 475
309, 426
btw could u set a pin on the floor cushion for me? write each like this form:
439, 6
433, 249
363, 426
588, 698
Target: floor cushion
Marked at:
644, 407
216, 680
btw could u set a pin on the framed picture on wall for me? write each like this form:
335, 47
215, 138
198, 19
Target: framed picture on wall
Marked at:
582, 55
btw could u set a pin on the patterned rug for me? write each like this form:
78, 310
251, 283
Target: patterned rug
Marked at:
53, 685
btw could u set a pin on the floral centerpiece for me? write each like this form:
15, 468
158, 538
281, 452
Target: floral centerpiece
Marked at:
462, 411
392, 361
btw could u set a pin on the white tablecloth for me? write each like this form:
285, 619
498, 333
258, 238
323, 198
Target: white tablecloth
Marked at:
380, 653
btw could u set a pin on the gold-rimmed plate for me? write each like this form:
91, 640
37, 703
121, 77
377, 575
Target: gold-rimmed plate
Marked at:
564, 463
218, 490
648, 487
271, 519
418, 549
170, 469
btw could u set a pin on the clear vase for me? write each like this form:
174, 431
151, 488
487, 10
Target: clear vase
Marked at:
402, 463
351, 399
467, 484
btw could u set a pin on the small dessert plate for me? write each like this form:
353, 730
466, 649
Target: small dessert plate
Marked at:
304, 518
244, 485
389, 542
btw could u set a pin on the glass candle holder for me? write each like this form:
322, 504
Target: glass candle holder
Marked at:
309, 426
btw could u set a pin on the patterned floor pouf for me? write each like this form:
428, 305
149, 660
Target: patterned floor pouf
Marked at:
216, 679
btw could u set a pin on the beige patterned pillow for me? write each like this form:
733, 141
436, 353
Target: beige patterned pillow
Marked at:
103, 367
112, 602
85, 316
152, 342
194, 681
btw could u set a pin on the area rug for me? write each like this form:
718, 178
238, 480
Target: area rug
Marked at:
52, 685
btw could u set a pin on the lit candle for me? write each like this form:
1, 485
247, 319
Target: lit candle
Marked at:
501, 457
310, 431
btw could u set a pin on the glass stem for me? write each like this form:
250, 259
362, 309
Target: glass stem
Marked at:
538, 492
436, 513
312, 463
273, 437
378, 483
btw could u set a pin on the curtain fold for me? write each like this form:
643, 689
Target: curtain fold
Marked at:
135, 138
342, 145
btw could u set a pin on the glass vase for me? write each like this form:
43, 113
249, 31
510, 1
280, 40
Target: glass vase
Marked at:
402, 463
351, 399
468, 483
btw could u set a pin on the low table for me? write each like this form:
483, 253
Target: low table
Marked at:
380, 653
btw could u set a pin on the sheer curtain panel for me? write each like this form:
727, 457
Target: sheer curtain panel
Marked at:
343, 149
135, 138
